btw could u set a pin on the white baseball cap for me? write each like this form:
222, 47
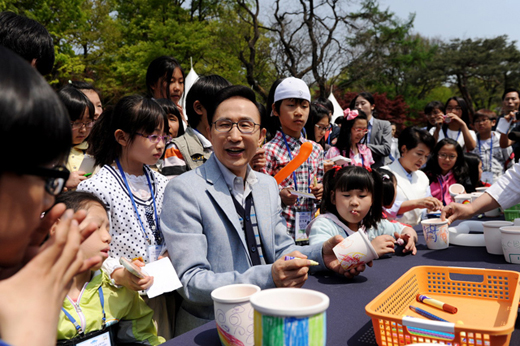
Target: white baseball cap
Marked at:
292, 88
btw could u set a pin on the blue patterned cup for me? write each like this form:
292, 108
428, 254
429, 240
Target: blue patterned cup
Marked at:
234, 314
290, 316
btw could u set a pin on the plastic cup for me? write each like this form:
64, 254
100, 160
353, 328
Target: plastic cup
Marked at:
234, 314
511, 243
355, 250
456, 189
436, 233
493, 237
290, 316
463, 198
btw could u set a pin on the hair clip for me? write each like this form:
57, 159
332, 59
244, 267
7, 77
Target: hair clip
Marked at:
385, 177
336, 169
368, 169
350, 114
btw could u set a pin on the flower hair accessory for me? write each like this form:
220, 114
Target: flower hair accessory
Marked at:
368, 169
336, 169
350, 114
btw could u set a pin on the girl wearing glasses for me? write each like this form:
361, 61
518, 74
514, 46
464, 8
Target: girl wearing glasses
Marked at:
81, 113
32, 277
318, 124
125, 141
446, 167
456, 124
351, 139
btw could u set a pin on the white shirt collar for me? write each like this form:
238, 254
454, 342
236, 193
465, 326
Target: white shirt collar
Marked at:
203, 140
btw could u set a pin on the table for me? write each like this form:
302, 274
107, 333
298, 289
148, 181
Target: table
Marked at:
347, 322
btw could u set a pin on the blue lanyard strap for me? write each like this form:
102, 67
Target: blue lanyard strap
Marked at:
294, 174
441, 181
490, 151
159, 240
103, 320
446, 135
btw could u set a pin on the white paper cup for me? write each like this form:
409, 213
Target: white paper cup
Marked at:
234, 314
481, 189
463, 198
493, 237
355, 250
493, 212
456, 189
436, 233
516, 222
511, 243
290, 316
475, 195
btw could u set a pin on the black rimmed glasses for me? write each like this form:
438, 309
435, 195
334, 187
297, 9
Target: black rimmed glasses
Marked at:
246, 127
55, 178
156, 138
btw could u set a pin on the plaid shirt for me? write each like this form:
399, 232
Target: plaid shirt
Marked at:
278, 157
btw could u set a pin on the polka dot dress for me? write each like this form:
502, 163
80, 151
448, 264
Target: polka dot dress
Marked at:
128, 238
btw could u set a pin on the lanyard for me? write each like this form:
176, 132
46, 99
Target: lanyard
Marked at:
446, 135
490, 151
294, 174
441, 182
103, 320
133, 202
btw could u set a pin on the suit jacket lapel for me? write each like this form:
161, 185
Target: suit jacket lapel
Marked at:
219, 191
262, 202
375, 126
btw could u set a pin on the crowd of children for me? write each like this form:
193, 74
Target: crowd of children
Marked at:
141, 143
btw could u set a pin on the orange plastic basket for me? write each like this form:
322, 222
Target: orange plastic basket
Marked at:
487, 302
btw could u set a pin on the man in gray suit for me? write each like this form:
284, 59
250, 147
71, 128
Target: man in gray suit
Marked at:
222, 222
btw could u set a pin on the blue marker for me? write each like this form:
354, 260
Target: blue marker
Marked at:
426, 314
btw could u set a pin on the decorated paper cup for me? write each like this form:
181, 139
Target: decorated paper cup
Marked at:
493, 237
456, 189
436, 233
511, 243
475, 195
355, 250
463, 198
234, 314
481, 189
290, 316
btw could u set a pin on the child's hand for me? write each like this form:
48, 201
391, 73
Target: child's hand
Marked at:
74, 179
410, 239
383, 244
430, 203
287, 197
510, 116
317, 191
327, 165
439, 120
123, 277
455, 118
258, 161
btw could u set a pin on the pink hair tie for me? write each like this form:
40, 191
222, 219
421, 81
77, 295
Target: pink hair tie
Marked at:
350, 114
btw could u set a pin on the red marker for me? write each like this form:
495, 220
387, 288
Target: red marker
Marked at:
436, 304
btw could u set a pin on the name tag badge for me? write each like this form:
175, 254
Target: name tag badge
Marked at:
487, 177
153, 252
302, 220
97, 340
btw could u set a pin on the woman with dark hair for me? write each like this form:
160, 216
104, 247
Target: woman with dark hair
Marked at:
32, 275
456, 124
379, 135
413, 186
446, 167
165, 80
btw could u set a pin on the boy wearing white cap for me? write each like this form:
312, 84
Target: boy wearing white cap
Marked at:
291, 106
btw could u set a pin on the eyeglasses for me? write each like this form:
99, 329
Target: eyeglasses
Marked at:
449, 109
360, 129
478, 121
322, 128
246, 127
55, 178
447, 157
77, 126
156, 138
